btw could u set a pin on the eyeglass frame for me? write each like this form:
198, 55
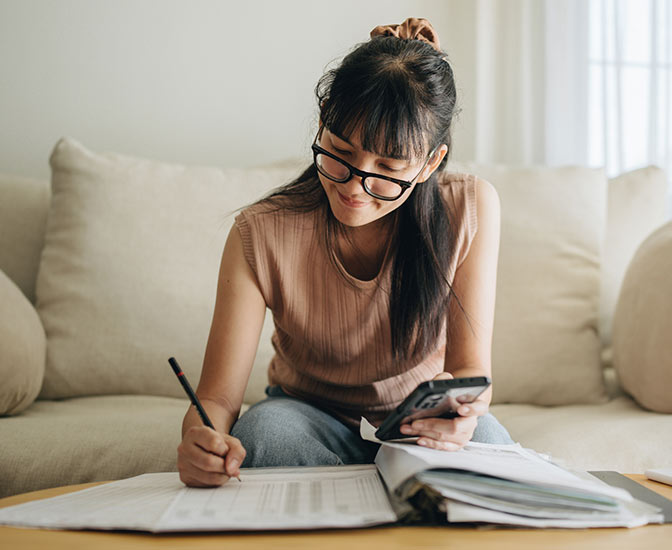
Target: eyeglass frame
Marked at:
362, 174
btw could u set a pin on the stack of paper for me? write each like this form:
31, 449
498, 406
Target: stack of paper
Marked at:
504, 484
266, 498
476, 498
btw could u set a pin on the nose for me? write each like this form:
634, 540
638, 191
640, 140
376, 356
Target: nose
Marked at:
353, 186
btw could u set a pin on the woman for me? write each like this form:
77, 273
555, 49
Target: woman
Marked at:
379, 276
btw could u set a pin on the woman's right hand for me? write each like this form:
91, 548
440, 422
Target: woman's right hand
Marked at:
206, 458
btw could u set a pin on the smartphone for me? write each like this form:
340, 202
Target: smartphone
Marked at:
435, 398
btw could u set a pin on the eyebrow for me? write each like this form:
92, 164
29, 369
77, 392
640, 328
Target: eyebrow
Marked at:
405, 160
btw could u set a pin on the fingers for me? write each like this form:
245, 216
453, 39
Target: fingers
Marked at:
209, 440
440, 433
443, 376
203, 479
206, 458
440, 445
234, 457
475, 408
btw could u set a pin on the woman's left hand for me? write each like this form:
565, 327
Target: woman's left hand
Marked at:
447, 434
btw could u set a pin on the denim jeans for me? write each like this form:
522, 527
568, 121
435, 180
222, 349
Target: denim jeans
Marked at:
284, 431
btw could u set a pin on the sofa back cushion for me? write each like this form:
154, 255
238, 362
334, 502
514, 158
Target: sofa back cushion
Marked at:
24, 203
128, 274
546, 346
637, 202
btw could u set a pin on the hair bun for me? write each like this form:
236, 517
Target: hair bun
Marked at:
413, 28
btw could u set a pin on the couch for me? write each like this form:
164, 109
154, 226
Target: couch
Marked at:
111, 267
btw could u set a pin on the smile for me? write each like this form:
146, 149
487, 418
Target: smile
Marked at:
350, 202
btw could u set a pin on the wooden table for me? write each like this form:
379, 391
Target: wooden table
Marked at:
377, 538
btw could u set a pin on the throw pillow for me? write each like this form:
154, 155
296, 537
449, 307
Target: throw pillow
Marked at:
643, 324
22, 349
129, 269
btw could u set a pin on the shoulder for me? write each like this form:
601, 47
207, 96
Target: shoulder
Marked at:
274, 216
270, 231
472, 203
463, 191
468, 196
487, 198
257, 210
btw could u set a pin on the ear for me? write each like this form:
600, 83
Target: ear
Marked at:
433, 163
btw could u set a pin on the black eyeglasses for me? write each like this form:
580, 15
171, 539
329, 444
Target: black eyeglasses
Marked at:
378, 186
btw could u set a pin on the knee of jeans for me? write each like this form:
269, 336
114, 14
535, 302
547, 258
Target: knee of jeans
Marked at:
489, 430
273, 433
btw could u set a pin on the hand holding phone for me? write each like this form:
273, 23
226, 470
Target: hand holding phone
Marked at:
432, 399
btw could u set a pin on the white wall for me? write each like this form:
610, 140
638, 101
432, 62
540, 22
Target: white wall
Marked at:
200, 81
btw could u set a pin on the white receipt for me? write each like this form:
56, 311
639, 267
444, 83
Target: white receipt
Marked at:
266, 498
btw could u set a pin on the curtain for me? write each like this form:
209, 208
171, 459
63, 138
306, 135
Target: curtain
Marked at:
530, 85
584, 82
630, 85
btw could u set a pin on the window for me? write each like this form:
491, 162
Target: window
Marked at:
630, 86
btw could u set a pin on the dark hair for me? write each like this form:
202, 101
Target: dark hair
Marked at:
399, 94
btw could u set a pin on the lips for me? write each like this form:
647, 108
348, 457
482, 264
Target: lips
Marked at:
351, 203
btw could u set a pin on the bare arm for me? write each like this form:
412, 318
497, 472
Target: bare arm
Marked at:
234, 335
470, 340
475, 282
205, 455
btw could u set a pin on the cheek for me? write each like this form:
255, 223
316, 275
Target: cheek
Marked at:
393, 205
384, 207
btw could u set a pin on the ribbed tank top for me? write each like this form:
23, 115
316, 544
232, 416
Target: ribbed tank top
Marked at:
332, 336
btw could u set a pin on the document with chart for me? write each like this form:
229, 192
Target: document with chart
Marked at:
265, 498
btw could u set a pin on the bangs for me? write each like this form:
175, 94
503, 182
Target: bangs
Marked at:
379, 109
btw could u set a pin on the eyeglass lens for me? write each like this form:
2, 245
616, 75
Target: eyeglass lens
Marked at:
337, 171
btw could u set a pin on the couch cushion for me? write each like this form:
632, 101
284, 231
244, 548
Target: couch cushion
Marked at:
643, 324
22, 349
55, 443
129, 269
636, 206
24, 204
618, 435
546, 347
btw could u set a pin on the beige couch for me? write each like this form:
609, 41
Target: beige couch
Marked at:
112, 268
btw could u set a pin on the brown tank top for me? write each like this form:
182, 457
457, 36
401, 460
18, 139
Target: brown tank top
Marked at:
332, 336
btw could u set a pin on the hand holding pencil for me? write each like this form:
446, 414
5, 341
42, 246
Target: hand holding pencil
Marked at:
206, 458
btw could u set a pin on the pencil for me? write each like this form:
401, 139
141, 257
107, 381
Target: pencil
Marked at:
192, 395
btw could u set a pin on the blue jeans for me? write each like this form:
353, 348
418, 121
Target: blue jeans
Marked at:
284, 431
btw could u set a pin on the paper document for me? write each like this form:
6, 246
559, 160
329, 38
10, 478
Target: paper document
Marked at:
266, 498
505, 484
398, 461
634, 514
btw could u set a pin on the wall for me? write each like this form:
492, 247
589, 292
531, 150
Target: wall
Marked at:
202, 82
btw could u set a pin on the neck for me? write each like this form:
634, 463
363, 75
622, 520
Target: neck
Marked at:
362, 249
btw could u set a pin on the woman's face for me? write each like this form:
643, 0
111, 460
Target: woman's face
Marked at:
350, 204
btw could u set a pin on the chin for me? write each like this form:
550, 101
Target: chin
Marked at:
352, 216
349, 219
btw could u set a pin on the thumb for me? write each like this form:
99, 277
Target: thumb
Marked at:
443, 376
